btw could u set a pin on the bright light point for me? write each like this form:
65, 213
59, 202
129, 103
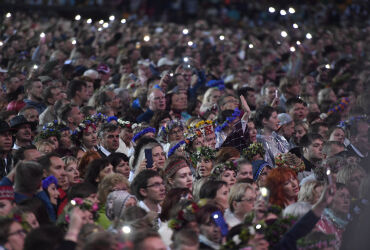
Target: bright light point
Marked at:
105, 25
42, 35
258, 226
73, 202
328, 67
282, 12
100, 29
89, 21
328, 172
74, 41
146, 38
295, 25
111, 18
284, 34
215, 216
291, 10
35, 66
101, 21
78, 17
123, 20
8, 15
308, 36
171, 74
185, 31
292, 49
1, 43
250, 46
222, 37
298, 43
126, 229
264, 191
272, 10
186, 59
190, 43
188, 66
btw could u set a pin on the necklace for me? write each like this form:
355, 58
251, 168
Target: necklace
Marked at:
338, 222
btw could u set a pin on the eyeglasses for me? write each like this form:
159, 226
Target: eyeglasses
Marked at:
251, 200
18, 232
156, 185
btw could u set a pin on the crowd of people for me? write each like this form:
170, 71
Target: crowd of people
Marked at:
129, 133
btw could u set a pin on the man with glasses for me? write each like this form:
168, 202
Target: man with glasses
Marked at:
156, 101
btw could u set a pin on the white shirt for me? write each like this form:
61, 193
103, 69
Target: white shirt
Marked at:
231, 219
104, 151
129, 151
147, 209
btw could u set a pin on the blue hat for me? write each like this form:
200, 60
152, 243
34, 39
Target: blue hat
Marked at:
258, 166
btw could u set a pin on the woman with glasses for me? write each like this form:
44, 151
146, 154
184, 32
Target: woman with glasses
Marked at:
12, 234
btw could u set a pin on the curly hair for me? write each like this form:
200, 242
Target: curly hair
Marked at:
275, 183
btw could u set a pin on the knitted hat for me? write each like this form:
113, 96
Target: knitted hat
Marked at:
174, 166
258, 167
289, 160
116, 203
6, 193
48, 181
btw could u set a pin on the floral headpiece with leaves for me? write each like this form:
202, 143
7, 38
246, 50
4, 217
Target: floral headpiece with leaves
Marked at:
289, 160
137, 136
222, 167
317, 240
174, 148
97, 118
184, 216
165, 130
47, 133
203, 152
21, 218
205, 126
254, 149
83, 126
83, 204
229, 119
56, 125
124, 124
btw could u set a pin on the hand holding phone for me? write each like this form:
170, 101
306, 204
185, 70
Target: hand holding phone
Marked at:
218, 218
148, 157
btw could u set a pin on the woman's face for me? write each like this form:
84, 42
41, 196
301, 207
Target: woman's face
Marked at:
183, 178
222, 197
337, 135
252, 132
272, 123
317, 193
65, 139
299, 132
341, 201
32, 220
198, 142
291, 188
263, 177
204, 167
215, 95
176, 134
53, 193
159, 156
211, 231
72, 172
104, 172
5, 207
246, 203
123, 168
54, 141
229, 176
87, 217
89, 137
16, 237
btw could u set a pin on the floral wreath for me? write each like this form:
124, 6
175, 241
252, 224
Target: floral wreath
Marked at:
229, 119
348, 123
206, 126
56, 125
143, 132
165, 130
112, 118
96, 118
203, 152
289, 160
184, 216
124, 124
174, 148
253, 150
21, 219
47, 133
191, 136
83, 204
222, 167
316, 240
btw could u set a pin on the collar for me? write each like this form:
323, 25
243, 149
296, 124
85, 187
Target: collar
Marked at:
147, 209
204, 240
104, 151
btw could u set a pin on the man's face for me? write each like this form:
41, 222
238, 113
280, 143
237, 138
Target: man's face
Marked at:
288, 130
83, 94
24, 132
31, 155
157, 100
6, 141
111, 140
315, 150
32, 115
251, 98
153, 243
57, 95
114, 102
57, 168
245, 171
36, 90
362, 139
155, 190
323, 131
75, 116
298, 112
90, 89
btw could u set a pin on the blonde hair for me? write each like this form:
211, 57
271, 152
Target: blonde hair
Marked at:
68, 160
108, 183
43, 145
307, 191
345, 173
237, 192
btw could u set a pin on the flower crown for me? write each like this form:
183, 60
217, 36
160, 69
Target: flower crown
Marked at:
203, 152
143, 132
83, 126
165, 130
21, 219
222, 167
124, 124
174, 148
316, 240
184, 216
289, 160
96, 118
56, 125
83, 204
229, 119
192, 135
207, 126
348, 123
47, 133
253, 150
112, 118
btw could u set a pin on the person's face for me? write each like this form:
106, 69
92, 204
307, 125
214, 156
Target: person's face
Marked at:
341, 201
111, 140
211, 140
183, 179
65, 139
288, 130
323, 131
89, 89
153, 243
355, 182
230, 102
89, 137
317, 193
131, 202
299, 132
198, 142
126, 135
5, 207
57, 168
272, 123
159, 156
295, 89
104, 172
75, 116
87, 217
229, 176
176, 134
31, 154
36, 90
16, 237
204, 167
298, 112
291, 188
155, 190
222, 196
315, 150
53, 193
157, 101
252, 132
211, 231
73, 174
179, 101
251, 98
32, 220
215, 95
246, 203
83, 94
24, 132
32, 115
57, 95
245, 171
263, 177
337, 135
270, 93
123, 168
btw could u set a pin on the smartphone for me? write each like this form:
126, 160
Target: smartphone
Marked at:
276, 93
218, 218
148, 157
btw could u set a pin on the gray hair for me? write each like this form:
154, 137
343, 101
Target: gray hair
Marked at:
297, 209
